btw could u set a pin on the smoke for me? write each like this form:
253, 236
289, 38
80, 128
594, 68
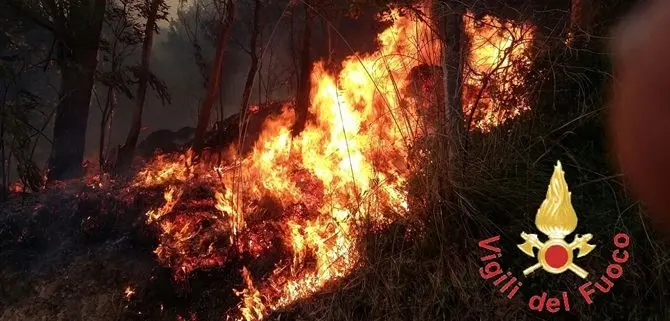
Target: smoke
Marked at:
173, 61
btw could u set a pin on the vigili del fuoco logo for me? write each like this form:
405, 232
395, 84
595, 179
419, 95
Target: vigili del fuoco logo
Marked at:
555, 219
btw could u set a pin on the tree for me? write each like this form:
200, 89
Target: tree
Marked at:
121, 37
304, 73
23, 116
17, 134
154, 11
452, 32
214, 81
253, 54
253, 67
76, 27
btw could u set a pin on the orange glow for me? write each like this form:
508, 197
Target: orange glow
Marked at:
17, 187
498, 53
314, 192
128, 292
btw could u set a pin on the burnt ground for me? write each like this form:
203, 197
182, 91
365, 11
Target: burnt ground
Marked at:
66, 256
71, 254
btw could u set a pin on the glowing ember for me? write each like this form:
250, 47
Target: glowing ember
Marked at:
306, 197
128, 292
17, 187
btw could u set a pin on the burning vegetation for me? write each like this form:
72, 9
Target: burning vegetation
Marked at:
270, 212
305, 201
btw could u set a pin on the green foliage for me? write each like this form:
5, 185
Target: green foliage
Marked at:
122, 37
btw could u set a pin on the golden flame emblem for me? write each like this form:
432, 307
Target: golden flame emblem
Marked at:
556, 218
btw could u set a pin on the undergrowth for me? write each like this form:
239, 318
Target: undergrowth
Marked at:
435, 274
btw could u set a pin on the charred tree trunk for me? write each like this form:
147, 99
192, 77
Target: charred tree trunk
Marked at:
253, 68
214, 78
304, 76
453, 57
127, 151
77, 58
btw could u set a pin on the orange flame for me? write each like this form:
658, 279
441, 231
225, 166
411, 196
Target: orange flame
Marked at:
349, 167
128, 292
498, 54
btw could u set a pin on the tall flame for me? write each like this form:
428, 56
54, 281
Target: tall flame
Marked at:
556, 217
315, 192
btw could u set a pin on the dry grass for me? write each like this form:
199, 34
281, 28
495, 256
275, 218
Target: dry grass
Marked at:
433, 275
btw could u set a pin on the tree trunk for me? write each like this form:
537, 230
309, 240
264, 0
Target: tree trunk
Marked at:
295, 76
78, 61
304, 76
127, 151
453, 55
106, 129
102, 138
214, 78
4, 182
253, 68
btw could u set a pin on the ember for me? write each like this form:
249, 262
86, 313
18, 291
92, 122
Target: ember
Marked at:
129, 292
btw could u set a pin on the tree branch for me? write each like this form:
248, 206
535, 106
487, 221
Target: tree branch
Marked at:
23, 10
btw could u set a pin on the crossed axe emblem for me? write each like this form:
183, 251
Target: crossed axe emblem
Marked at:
555, 255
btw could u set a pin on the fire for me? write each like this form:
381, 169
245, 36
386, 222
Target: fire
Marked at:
309, 197
498, 55
252, 304
17, 187
128, 292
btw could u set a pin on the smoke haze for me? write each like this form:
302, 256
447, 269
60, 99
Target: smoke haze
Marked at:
173, 61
